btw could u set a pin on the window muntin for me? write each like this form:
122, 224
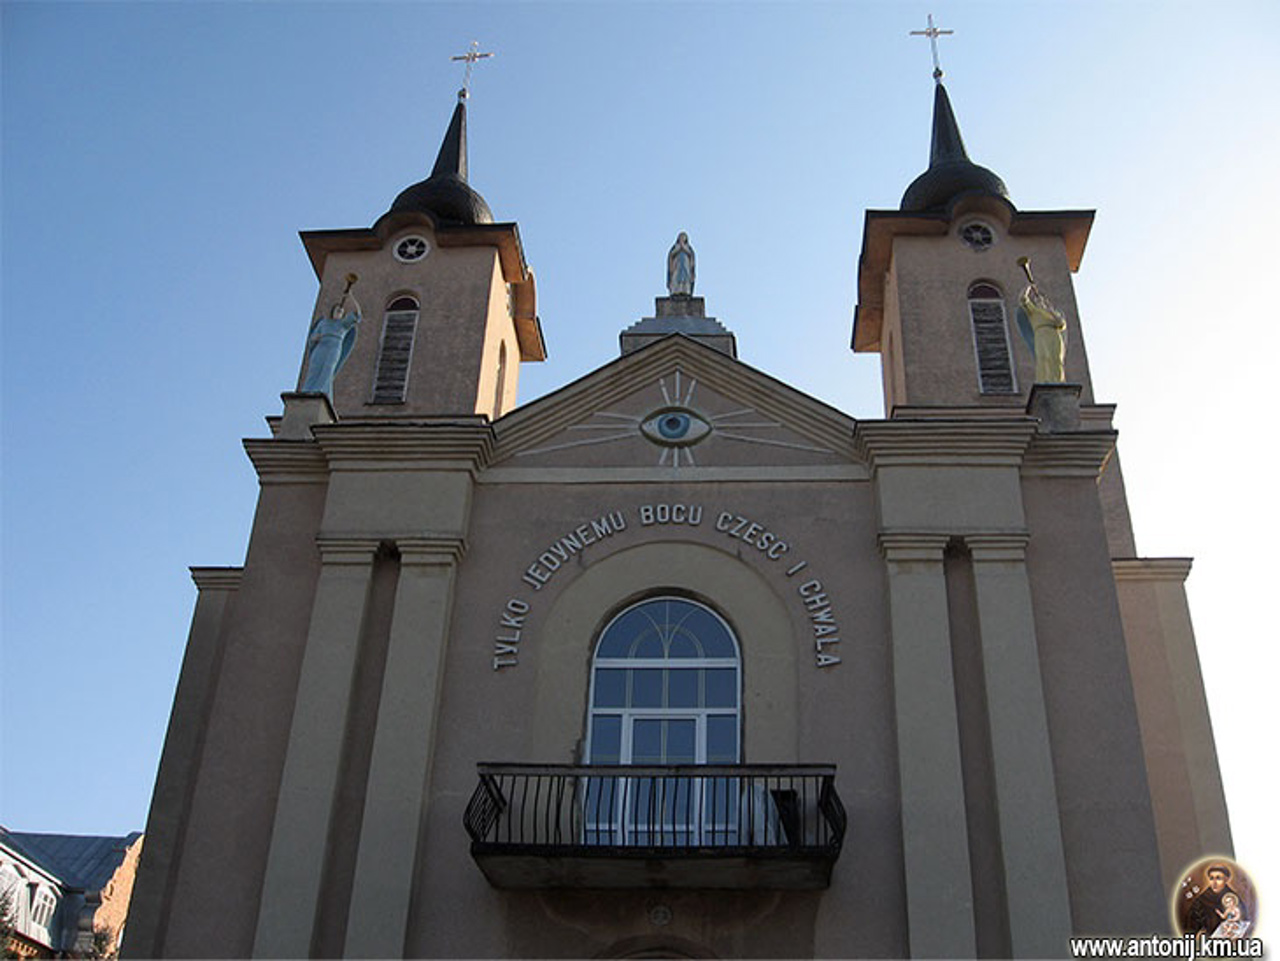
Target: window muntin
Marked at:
42, 907
395, 352
991, 339
665, 690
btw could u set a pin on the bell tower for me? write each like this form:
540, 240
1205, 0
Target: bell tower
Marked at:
448, 302
939, 280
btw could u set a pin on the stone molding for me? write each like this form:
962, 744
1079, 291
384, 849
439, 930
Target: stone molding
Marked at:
912, 546
418, 445
1151, 568
347, 550
998, 545
287, 461
929, 545
1078, 454
938, 443
765, 474
217, 578
431, 549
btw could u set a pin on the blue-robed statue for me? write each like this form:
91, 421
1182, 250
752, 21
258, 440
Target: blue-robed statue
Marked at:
330, 341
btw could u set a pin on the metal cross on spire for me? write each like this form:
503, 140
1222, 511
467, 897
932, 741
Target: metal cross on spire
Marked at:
471, 56
933, 33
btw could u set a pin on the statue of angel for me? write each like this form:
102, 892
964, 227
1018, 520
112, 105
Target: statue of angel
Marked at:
330, 341
1044, 328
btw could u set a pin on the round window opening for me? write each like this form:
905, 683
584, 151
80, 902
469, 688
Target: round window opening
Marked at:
411, 248
977, 235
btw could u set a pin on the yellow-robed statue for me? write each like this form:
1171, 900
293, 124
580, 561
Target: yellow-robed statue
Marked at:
1044, 328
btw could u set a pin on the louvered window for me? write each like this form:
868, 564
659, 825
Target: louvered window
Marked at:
991, 340
394, 354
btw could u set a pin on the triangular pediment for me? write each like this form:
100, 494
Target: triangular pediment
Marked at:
675, 404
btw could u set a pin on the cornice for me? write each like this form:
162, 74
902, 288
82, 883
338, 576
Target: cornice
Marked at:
940, 443
998, 545
1151, 568
1073, 454
908, 546
217, 578
378, 446
287, 461
431, 549
780, 474
341, 549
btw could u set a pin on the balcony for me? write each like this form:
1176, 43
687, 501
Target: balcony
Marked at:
703, 826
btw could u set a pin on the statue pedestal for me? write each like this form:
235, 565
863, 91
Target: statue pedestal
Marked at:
1056, 406
302, 411
679, 314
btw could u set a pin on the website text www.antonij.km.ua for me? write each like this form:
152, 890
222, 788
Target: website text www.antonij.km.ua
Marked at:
1153, 946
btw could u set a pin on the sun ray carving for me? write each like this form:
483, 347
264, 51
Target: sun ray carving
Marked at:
676, 426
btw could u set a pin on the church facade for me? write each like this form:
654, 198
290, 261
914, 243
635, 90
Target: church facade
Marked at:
678, 661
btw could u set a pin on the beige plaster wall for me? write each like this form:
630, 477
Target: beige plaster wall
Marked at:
794, 711
1108, 829
933, 275
460, 293
233, 803
1177, 736
499, 332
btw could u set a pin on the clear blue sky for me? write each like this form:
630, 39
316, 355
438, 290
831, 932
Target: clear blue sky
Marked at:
159, 159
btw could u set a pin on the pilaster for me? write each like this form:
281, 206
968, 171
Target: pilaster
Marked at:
304, 808
934, 828
398, 788
1039, 910
1177, 734
180, 762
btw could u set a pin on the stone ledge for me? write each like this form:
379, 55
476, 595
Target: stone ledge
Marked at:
217, 578
1077, 454
1151, 568
939, 443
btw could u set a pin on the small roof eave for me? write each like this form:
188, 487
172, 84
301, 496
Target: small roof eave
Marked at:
879, 229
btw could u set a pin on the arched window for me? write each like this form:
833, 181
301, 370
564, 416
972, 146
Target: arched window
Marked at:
991, 339
399, 325
666, 687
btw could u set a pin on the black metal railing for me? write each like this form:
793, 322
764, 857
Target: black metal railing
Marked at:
646, 811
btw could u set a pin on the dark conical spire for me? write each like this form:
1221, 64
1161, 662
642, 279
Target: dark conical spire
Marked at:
452, 158
445, 195
947, 145
951, 173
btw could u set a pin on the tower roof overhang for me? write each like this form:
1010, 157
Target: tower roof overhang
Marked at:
505, 237
880, 227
